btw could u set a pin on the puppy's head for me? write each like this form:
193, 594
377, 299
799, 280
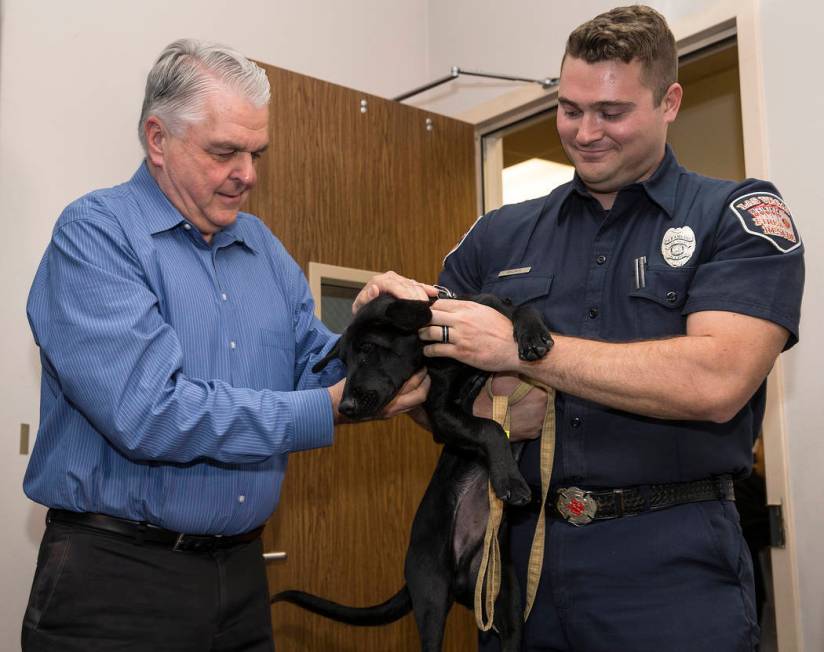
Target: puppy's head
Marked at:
381, 350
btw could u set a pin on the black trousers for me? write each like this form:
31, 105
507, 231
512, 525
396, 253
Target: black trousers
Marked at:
95, 592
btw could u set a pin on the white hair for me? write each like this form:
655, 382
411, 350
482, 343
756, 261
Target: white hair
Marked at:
187, 72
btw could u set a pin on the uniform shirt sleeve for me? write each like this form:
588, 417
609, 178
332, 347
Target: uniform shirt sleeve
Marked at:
104, 342
462, 270
756, 266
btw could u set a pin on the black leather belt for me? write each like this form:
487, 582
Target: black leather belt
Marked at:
580, 507
150, 534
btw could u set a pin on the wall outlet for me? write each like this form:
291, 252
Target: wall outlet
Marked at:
24, 438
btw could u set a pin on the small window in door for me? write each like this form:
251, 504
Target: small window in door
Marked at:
336, 305
334, 290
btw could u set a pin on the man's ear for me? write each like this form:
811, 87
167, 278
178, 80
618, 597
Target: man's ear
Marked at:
156, 140
672, 102
408, 314
333, 353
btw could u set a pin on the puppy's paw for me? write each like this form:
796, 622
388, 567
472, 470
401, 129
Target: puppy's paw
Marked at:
519, 493
531, 334
513, 490
533, 344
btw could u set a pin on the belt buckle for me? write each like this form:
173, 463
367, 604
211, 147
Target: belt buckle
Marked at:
195, 543
178, 547
576, 505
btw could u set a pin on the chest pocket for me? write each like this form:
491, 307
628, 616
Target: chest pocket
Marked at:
658, 306
518, 289
275, 364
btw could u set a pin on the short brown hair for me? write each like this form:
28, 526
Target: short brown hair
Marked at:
627, 33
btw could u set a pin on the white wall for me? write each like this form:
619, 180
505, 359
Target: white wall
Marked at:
71, 83
524, 38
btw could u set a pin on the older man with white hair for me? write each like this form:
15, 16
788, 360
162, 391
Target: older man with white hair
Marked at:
177, 337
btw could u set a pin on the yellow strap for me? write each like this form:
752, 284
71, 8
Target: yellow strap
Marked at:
488, 583
536, 553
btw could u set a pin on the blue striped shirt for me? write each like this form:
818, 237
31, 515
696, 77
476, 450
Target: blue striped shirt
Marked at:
176, 373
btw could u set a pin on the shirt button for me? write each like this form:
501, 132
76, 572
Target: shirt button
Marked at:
241, 499
672, 296
593, 312
188, 227
575, 422
601, 260
224, 296
232, 344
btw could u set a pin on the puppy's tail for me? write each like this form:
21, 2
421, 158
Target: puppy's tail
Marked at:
387, 612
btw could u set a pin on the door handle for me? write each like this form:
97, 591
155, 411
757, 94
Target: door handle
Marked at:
274, 556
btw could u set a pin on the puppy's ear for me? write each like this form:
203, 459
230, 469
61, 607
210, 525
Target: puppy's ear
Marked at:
409, 315
333, 353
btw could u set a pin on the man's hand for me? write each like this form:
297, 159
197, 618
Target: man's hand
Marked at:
479, 336
410, 396
526, 416
396, 285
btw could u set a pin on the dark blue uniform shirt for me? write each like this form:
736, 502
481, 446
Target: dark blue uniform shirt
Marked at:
672, 245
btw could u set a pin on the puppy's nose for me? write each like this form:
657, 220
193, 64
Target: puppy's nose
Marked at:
347, 407
359, 404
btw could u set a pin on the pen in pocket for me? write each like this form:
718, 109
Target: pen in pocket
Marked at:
640, 272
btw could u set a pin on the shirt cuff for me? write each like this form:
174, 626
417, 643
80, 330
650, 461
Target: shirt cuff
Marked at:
314, 425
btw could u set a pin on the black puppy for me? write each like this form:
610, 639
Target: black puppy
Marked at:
381, 350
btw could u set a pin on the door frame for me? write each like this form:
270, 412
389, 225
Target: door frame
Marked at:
723, 20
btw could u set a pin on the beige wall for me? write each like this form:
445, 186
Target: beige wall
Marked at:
711, 109
791, 35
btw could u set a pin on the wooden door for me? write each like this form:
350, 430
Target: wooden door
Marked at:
368, 186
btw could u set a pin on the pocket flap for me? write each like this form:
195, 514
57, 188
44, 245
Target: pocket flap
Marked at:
667, 287
520, 289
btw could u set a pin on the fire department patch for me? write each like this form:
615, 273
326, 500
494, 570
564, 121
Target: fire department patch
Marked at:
766, 215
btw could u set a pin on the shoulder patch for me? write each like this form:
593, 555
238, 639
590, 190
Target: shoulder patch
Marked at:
460, 242
766, 215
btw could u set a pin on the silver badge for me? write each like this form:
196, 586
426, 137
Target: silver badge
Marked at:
576, 505
678, 246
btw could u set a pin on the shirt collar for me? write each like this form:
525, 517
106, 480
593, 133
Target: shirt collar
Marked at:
160, 214
237, 232
574, 188
660, 187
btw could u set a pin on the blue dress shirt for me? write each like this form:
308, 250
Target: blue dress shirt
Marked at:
176, 373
